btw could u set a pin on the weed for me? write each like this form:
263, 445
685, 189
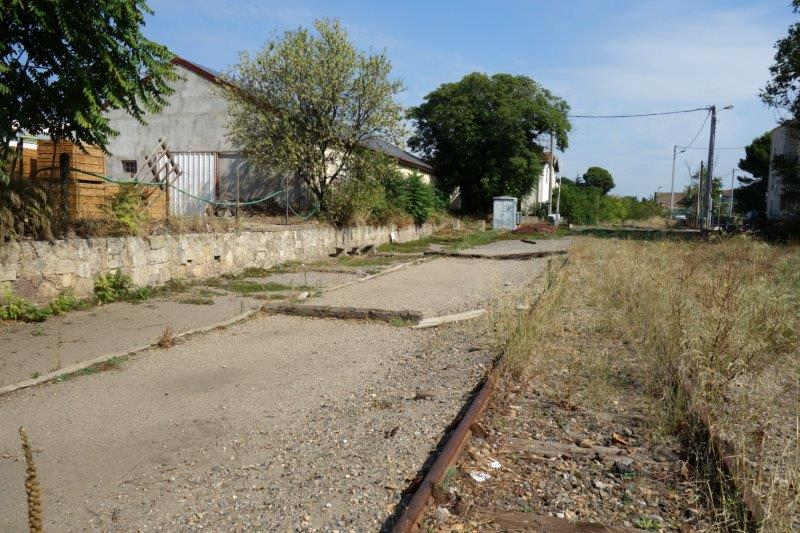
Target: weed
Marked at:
691, 326
249, 287
116, 286
196, 300
35, 375
450, 475
110, 364
647, 523
167, 339
38, 331
401, 322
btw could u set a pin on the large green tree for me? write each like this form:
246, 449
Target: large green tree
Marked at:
307, 103
782, 89
482, 135
752, 194
64, 63
599, 178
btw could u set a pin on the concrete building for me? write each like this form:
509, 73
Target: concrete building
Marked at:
193, 125
540, 194
785, 142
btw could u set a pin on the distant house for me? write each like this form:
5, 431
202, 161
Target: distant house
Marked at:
193, 125
540, 195
663, 199
786, 143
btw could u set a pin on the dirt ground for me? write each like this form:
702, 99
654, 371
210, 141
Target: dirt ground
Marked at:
274, 424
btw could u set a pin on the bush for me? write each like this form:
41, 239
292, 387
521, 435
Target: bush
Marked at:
421, 200
127, 209
15, 308
117, 286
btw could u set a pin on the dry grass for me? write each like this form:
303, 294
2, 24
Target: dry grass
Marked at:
719, 320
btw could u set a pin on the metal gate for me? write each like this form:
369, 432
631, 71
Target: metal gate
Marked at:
196, 185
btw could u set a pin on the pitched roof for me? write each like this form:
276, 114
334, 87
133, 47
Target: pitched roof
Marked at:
397, 153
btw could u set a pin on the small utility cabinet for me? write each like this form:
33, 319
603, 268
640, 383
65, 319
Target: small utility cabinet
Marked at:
504, 214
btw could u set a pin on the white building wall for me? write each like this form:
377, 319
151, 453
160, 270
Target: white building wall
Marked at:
785, 141
541, 193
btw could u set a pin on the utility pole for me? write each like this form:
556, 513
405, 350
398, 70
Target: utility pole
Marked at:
698, 193
710, 171
672, 187
550, 179
558, 199
730, 207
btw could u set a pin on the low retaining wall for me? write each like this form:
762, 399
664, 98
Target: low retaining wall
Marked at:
39, 270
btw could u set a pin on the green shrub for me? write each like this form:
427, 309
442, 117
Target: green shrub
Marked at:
116, 286
128, 210
421, 198
356, 201
15, 308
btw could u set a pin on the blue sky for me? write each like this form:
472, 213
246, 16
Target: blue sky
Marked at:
601, 56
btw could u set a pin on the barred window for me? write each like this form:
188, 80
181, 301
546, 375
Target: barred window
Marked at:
129, 166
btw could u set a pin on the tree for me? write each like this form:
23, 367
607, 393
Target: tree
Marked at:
752, 194
782, 90
64, 63
600, 178
482, 135
307, 103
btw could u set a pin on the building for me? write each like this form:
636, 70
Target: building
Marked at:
663, 199
785, 143
540, 195
193, 125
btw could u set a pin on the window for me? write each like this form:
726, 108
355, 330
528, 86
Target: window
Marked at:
129, 166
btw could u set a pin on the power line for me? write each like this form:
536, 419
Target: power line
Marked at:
635, 115
702, 127
715, 148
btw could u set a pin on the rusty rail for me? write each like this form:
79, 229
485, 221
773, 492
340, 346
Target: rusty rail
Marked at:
452, 450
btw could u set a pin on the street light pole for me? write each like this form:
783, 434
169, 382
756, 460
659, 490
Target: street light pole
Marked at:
730, 207
672, 187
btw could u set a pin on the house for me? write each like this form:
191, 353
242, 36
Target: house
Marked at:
193, 125
541, 195
664, 199
785, 143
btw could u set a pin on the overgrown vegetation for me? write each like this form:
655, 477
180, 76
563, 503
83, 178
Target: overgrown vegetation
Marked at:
695, 327
117, 286
128, 210
377, 193
24, 211
13, 307
584, 204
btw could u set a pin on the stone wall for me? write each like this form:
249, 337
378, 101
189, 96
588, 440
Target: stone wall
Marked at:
39, 270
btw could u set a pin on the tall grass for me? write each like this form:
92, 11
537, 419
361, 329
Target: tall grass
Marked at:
719, 321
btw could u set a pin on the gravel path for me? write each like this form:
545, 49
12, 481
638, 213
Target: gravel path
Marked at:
274, 424
27, 348
442, 286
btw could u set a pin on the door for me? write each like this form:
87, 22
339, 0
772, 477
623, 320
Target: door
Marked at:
192, 191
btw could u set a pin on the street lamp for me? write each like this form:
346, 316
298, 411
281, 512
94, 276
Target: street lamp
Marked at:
675, 152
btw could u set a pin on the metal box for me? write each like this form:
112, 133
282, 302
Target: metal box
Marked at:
504, 214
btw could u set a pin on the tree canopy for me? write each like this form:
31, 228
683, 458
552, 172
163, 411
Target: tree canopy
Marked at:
64, 63
599, 178
482, 135
782, 90
307, 102
752, 194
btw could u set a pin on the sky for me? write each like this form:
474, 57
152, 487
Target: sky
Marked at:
601, 56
